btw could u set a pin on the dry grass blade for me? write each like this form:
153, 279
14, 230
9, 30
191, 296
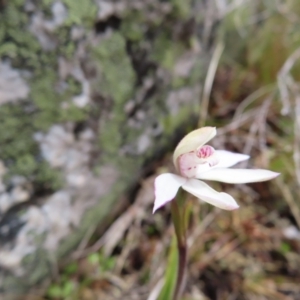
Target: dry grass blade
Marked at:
236, 124
225, 8
117, 230
288, 196
297, 138
251, 98
209, 82
201, 227
255, 127
154, 294
283, 79
266, 289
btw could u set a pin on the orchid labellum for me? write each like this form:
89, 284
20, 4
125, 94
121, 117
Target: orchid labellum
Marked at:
195, 161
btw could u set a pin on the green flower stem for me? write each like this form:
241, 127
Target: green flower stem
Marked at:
179, 220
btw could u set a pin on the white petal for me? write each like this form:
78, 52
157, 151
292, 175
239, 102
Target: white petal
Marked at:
205, 192
166, 187
225, 159
238, 175
192, 141
228, 159
201, 168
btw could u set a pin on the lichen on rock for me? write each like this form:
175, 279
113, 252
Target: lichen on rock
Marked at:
12, 86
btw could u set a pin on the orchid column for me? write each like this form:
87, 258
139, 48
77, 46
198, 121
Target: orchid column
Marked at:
193, 161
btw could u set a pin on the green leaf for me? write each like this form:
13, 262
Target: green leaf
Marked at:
68, 288
71, 268
171, 272
285, 248
94, 258
54, 291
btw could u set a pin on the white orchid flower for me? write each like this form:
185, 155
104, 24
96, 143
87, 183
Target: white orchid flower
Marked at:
194, 160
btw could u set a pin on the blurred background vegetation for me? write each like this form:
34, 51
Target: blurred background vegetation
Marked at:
252, 253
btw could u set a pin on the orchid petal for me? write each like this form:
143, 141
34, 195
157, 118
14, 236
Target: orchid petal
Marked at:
228, 159
225, 159
206, 193
201, 168
192, 141
166, 187
238, 175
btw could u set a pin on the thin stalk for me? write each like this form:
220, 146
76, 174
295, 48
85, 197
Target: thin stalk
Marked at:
180, 230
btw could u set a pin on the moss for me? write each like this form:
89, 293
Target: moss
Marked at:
117, 81
10, 136
182, 8
40, 262
14, 41
20, 152
131, 27
132, 31
169, 123
178, 82
197, 72
166, 51
49, 103
117, 75
43, 107
81, 12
